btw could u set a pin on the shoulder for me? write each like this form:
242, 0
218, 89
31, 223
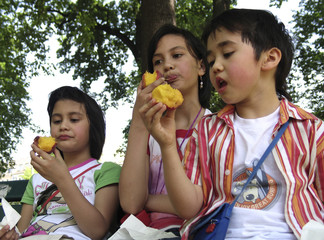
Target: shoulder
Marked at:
224, 117
28, 196
291, 110
108, 173
302, 120
108, 168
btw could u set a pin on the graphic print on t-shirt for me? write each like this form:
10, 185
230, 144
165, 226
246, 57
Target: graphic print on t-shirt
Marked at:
261, 193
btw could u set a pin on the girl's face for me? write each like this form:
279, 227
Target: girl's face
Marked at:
234, 71
180, 69
70, 126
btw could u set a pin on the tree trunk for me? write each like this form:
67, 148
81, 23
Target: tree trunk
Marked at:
220, 5
154, 13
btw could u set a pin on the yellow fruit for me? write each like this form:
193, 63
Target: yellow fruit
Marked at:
171, 97
150, 77
165, 94
47, 144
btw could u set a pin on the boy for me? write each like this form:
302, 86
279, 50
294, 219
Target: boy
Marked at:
250, 55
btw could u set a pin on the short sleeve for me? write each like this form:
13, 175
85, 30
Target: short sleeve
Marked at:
108, 174
28, 196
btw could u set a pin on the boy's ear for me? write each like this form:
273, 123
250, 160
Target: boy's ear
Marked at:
272, 58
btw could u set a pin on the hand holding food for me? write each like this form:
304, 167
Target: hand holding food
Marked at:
47, 144
164, 93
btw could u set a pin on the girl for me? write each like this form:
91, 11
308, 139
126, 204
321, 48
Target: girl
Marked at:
180, 57
73, 195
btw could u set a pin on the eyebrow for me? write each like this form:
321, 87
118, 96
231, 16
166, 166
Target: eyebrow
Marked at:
221, 44
70, 114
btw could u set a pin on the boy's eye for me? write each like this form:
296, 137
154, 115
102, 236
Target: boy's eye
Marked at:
227, 54
211, 63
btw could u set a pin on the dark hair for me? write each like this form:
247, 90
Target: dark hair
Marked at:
195, 48
263, 30
97, 129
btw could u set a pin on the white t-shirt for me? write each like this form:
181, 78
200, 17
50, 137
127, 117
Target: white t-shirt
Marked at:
56, 217
259, 211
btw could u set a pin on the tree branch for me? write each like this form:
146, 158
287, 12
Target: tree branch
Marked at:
123, 37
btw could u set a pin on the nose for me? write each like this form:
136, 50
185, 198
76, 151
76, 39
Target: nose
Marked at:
168, 65
217, 66
64, 125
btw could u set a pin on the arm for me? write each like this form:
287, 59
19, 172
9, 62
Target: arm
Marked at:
92, 220
159, 203
26, 216
186, 197
133, 185
23, 223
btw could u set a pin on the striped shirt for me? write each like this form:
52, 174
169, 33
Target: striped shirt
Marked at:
299, 155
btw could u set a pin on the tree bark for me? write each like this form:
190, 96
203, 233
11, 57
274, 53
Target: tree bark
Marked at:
220, 5
154, 13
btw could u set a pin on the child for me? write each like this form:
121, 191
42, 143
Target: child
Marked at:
250, 55
82, 208
180, 58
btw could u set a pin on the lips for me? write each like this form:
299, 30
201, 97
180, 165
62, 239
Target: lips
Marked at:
64, 137
221, 84
171, 78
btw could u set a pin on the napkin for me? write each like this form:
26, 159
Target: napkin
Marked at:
134, 229
11, 215
313, 231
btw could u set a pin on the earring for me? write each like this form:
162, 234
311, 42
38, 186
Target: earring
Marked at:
201, 83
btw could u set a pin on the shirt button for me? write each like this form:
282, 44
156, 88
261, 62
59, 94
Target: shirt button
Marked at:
227, 172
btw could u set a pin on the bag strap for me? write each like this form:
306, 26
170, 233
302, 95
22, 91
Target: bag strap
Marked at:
57, 191
256, 168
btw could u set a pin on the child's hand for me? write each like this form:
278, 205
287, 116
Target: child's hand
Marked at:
53, 168
145, 93
6, 234
159, 122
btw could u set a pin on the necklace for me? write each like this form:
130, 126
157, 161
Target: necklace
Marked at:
179, 149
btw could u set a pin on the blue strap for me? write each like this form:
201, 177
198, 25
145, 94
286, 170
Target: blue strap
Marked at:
255, 169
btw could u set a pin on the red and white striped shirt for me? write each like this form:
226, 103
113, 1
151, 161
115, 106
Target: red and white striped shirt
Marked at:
299, 155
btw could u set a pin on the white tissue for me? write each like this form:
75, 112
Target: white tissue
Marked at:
313, 231
11, 215
134, 229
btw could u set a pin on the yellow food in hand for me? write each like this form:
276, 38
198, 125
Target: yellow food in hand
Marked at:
165, 94
171, 97
150, 77
47, 144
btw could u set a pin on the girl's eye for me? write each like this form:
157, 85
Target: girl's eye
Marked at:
177, 55
156, 62
56, 121
75, 120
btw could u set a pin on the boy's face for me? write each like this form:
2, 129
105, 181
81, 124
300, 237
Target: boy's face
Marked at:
234, 71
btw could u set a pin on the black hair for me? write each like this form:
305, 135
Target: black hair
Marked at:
195, 48
97, 129
263, 30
